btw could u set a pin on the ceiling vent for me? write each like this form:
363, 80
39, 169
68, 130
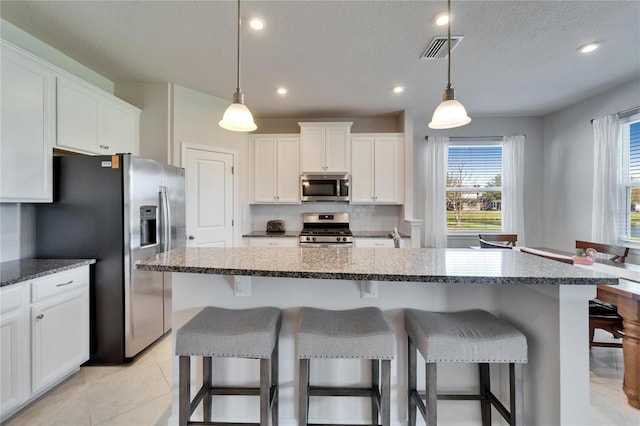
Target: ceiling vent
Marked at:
437, 49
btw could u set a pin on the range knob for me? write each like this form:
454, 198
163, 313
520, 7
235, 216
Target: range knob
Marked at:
313, 239
308, 238
338, 239
344, 239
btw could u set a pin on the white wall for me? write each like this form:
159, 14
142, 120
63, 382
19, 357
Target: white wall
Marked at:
26, 41
382, 124
155, 101
531, 127
568, 165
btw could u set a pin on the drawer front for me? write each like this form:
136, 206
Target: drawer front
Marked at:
59, 283
11, 297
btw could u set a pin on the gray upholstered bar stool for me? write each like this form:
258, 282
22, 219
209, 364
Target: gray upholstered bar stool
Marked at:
470, 337
358, 333
229, 333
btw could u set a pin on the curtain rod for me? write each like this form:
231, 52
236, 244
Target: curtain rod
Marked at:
473, 138
625, 113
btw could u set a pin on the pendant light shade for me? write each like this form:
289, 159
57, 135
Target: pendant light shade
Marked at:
237, 116
450, 113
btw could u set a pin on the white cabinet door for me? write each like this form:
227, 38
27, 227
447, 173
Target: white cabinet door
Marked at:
312, 150
337, 149
77, 117
362, 172
14, 348
94, 122
277, 171
266, 173
28, 127
377, 169
114, 128
60, 336
389, 175
325, 147
273, 242
288, 170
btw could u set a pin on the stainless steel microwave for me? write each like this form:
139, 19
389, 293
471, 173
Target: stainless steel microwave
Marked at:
325, 187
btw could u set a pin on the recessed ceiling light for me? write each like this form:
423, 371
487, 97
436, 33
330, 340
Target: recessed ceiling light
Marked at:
442, 19
256, 23
282, 91
589, 47
397, 89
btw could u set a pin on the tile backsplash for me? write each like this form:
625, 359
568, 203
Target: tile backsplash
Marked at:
362, 217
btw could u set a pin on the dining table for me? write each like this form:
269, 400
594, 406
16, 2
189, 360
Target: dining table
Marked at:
626, 298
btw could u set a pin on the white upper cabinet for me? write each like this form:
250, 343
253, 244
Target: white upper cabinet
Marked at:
325, 147
377, 169
277, 171
94, 122
28, 127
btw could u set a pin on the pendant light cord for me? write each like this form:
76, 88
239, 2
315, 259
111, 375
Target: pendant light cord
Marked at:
238, 59
449, 45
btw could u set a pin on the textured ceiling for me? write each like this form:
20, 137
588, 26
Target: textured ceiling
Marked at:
341, 58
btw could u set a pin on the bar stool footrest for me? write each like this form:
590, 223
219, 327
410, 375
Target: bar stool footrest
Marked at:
341, 391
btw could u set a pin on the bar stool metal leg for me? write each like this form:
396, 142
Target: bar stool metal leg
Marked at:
265, 389
431, 381
485, 390
184, 389
375, 390
275, 393
206, 384
385, 409
303, 399
412, 381
517, 391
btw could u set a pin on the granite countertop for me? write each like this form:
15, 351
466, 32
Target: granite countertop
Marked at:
356, 234
260, 234
16, 271
452, 266
376, 234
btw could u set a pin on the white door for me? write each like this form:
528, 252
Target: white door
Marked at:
362, 190
209, 196
288, 170
387, 173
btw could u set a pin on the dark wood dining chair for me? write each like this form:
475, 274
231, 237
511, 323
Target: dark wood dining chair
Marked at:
502, 239
601, 314
558, 258
619, 253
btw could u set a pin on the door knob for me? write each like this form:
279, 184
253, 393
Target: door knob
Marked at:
191, 237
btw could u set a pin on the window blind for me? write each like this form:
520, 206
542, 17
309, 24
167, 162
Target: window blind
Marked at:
634, 151
477, 166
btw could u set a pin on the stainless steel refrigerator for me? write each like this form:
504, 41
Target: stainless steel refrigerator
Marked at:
117, 209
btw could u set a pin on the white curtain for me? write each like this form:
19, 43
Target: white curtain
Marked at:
435, 212
513, 186
606, 170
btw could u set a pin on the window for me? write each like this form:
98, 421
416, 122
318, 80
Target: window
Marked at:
630, 190
474, 187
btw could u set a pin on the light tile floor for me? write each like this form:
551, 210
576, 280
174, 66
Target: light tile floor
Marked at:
139, 394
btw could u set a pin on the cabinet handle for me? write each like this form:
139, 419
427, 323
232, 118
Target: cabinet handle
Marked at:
191, 237
104, 146
40, 316
63, 284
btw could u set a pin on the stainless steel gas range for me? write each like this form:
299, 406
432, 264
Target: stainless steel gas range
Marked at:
326, 230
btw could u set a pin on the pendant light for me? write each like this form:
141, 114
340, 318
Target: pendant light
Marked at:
450, 113
237, 117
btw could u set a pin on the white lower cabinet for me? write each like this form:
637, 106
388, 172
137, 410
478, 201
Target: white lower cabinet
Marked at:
271, 242
14, 348
45, 335
374, 242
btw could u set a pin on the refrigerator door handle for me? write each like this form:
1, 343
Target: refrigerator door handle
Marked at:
166, 219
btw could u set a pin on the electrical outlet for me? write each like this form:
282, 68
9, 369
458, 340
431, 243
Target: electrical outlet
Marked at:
241, 285
368, 289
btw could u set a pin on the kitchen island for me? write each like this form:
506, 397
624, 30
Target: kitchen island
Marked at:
546, 300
